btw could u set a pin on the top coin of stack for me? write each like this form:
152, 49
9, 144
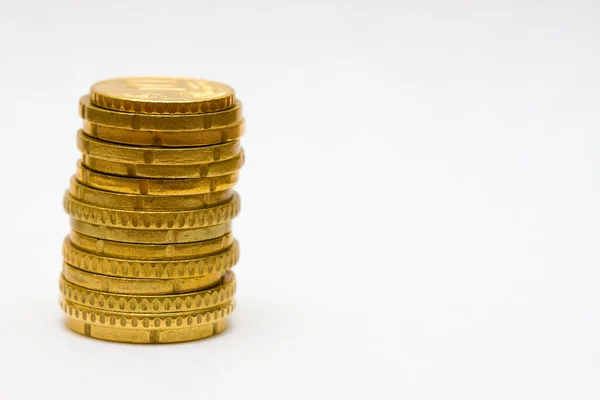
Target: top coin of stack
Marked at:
149, 255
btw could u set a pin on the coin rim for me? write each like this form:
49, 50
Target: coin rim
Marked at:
166, 236
139, 286
83, 260
140, 251
134, 219
159, 122
153, 171
155, 187
160, 319
145, 336
168, 139
130, 154
225, 292
132, 201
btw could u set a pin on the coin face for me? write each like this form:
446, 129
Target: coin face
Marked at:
157, 95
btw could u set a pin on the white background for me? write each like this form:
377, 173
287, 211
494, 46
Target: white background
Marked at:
420, 199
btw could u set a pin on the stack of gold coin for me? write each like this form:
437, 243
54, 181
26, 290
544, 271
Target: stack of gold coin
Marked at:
149, 255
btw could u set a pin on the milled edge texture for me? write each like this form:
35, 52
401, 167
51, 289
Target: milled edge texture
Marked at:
185, 219
155, 321
143, 304
150, 269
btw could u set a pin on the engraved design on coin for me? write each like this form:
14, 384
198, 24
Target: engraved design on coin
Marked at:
169, 89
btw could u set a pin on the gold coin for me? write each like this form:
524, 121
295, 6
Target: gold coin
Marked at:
154, 236
158, 269
154, 122
144, 336
151, 304
139, 251
217, 168
133, 219
156, 155
177, 320
157, 187
139, 286
162, 95
203, 137
106, 199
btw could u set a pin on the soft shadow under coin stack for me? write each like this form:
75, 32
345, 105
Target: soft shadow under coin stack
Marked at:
149, 255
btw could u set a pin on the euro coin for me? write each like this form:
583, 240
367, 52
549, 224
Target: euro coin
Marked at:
141, 335
178, 320
103, 198
154, 236
216, 168
139, 286
185, 219
221, 294
162, 95
156, 155
141, 251
204, 137
156, 187
149, 269
153, 122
